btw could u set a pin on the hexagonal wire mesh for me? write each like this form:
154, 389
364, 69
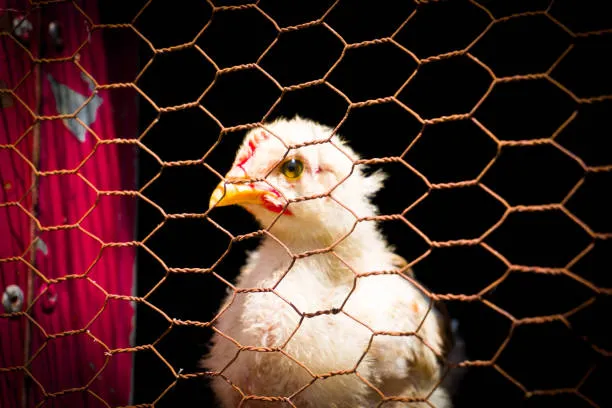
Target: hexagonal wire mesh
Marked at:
489, 116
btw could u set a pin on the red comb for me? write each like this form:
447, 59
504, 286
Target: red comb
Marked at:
249, 149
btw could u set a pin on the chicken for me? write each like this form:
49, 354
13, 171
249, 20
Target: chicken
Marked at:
319, 328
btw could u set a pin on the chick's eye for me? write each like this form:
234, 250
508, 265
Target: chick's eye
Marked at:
292, 168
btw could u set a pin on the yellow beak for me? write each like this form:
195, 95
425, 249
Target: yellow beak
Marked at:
230, 194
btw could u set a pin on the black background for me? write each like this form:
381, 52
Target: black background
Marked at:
539, 356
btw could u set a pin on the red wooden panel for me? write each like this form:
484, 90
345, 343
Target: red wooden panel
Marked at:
75, 321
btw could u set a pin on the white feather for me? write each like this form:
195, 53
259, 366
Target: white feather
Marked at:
317, 310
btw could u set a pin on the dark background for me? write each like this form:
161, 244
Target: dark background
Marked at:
539, 356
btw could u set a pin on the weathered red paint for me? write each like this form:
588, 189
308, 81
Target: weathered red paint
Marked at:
68, 361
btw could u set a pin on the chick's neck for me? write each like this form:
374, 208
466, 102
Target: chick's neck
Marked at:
353, 246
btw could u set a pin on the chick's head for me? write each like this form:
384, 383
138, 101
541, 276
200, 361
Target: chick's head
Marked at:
293, 168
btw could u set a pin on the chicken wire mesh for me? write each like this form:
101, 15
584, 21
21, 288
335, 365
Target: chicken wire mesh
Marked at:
489, 116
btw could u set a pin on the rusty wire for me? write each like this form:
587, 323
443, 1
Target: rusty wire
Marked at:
399, 158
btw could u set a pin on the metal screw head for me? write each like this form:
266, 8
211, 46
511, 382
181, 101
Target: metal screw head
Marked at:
12, 299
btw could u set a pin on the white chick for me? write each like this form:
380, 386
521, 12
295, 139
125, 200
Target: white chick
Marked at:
321, 312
